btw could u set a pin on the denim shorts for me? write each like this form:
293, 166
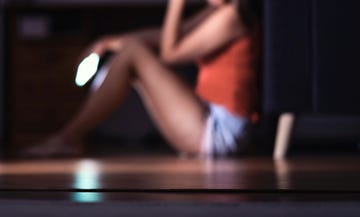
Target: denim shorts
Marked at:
225, 133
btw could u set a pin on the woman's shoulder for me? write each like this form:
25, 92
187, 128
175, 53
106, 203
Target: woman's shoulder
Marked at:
228, 16
227, 11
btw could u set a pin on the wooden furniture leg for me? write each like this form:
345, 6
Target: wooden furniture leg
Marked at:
283, 135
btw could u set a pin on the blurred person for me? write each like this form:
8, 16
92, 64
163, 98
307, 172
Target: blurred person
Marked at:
214, 119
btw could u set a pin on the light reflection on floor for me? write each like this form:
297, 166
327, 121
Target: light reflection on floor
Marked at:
87, 176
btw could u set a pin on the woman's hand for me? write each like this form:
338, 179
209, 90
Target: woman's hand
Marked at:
99, 47
107, 43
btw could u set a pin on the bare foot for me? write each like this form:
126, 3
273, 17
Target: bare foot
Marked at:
55, 146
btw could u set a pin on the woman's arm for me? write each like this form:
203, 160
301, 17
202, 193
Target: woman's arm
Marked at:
114, 43
220, 28
171, 30
150, 36
191, 23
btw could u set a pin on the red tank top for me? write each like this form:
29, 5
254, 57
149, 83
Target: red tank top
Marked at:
229, 78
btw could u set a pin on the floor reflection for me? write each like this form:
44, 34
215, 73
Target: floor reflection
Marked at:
282, 171
132, 173
87, 177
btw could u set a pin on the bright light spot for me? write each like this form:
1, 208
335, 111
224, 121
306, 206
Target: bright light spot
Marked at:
87, 174
87, 69
87, 177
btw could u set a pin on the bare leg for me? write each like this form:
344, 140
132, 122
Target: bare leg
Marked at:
173, 105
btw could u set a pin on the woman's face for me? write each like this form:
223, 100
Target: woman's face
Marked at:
216, 2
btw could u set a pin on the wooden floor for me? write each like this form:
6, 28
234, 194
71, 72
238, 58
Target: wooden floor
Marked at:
169, 177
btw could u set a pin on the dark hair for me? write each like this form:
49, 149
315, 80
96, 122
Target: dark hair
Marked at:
250, 12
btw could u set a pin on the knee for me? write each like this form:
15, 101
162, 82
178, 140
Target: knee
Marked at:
139, 54
131, 48
133, 45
